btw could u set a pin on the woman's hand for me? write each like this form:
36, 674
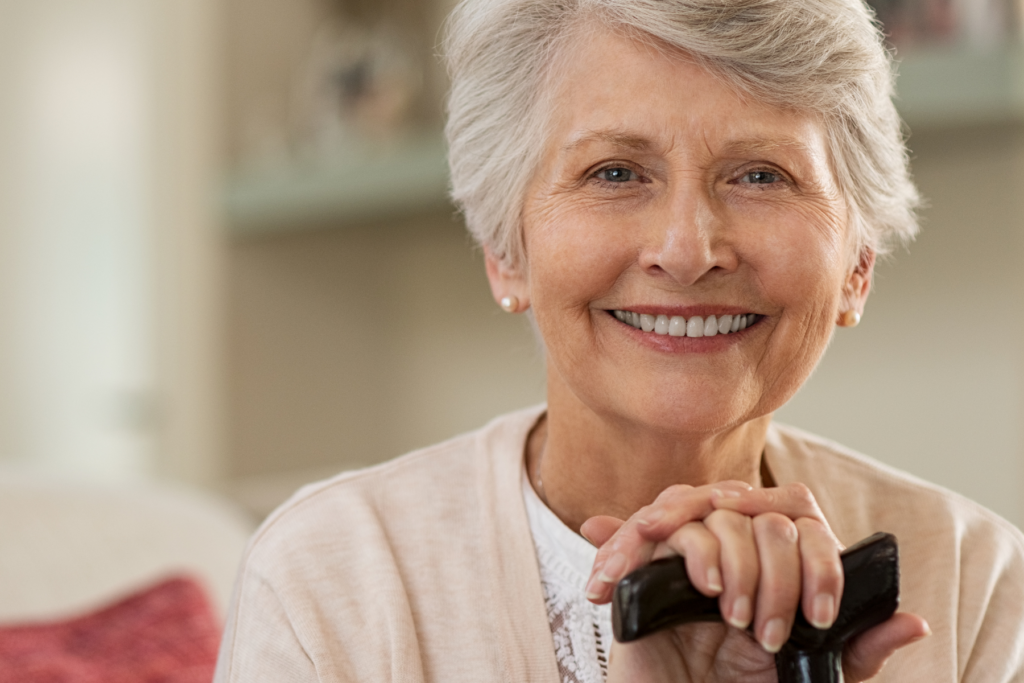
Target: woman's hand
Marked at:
765, 553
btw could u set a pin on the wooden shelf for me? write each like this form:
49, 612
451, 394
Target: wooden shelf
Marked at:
950, 87
362, 186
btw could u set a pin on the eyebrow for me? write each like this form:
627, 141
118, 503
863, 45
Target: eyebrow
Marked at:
613, 137
755, 145
760, 145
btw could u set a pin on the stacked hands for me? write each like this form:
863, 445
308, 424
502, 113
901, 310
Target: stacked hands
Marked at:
764, 553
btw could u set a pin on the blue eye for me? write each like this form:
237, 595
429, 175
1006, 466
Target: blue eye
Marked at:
761, 178
616, 174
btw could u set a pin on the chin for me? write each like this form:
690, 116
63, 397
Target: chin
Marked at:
691, 416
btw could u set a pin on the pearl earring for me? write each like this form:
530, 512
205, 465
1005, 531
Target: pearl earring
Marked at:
849, 318
509, 304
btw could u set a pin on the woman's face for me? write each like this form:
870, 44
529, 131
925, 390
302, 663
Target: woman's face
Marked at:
662, 192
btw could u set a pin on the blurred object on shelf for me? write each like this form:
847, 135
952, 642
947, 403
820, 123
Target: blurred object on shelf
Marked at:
974, 23
354, 91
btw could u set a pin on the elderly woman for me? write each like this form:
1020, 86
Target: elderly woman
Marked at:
688, 196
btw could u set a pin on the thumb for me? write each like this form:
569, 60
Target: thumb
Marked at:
865, 655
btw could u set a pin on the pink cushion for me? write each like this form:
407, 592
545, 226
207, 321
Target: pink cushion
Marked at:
165, 633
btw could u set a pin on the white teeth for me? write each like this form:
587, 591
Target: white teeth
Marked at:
678, 326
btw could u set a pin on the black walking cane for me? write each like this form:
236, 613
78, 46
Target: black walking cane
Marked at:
660, 595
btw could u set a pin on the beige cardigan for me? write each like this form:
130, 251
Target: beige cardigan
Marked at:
423, 569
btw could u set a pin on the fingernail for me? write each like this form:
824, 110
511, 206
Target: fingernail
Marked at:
774, 635
612, 570
594, 589
823, 611
653, 517
715, 579
739, 616
725, 493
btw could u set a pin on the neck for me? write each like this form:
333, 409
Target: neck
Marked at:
584, 465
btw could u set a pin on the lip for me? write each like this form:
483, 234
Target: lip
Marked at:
677, 345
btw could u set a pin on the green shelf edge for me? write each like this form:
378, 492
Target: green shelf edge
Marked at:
359, 188
951, 87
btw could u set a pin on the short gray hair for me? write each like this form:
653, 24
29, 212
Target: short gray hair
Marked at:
824, 57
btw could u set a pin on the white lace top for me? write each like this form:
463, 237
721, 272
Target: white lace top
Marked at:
581, 630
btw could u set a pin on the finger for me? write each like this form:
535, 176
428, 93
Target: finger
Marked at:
622, 553
865, 655
599, 529
680, 504
792, 500
778, 590
822, 572
739, 565
633, 545
701, 550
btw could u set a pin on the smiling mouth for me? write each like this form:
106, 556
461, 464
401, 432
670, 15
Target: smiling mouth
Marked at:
678, 326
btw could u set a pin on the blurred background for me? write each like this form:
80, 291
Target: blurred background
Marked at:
227, 259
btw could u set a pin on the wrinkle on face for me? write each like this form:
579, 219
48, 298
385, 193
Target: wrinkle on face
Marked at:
779, 250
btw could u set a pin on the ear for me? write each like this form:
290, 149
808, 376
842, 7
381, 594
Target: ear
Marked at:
506, 281
857, 286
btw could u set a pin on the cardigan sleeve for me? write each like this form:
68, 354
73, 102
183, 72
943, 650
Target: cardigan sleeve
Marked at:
260, 644
991, 607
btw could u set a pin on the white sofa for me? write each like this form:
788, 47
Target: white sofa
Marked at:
70, 548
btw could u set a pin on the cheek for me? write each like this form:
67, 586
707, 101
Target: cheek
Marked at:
800, 255
574, 258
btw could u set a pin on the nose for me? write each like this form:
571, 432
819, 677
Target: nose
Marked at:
686, 239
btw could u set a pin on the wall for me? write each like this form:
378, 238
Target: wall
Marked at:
348, 347
932, 379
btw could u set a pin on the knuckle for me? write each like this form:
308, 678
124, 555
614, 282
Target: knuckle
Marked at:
801, 494
693, 536
663, 550
646, 510
827, 574
782, 591
776, 525
809, 525
729, 520
674, 492
817, 531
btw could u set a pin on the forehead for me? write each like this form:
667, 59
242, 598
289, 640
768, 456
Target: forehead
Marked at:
612, 89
